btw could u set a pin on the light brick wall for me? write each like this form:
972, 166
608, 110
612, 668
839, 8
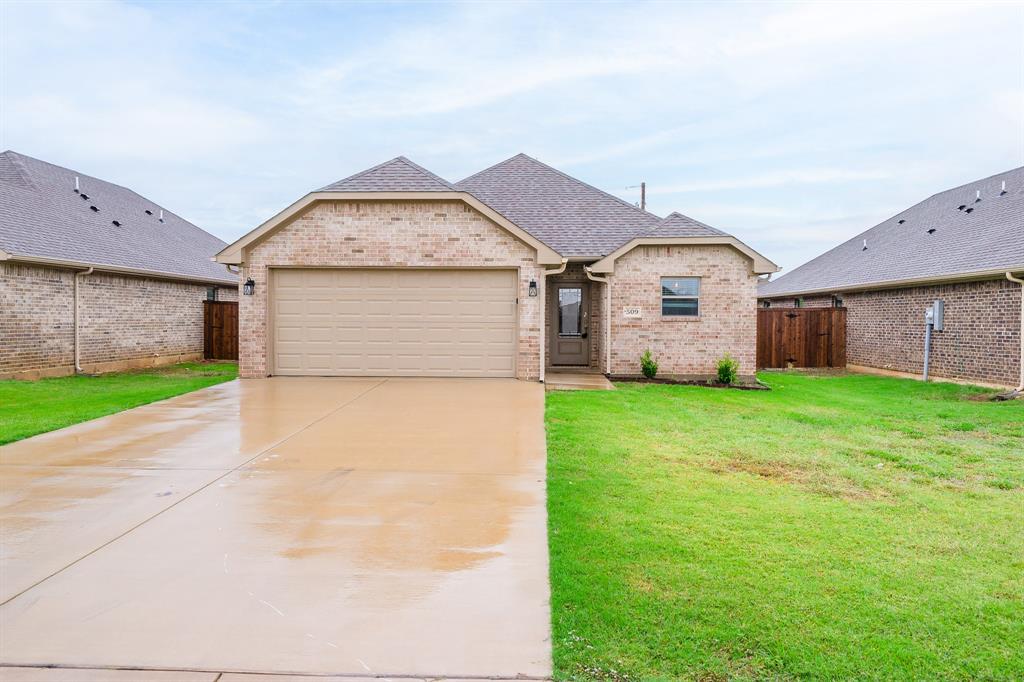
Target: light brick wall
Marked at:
122, 319
980, 342
388, 234
688, 346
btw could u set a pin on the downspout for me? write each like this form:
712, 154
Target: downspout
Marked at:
78, 275
1020, 383
544, 315
607, 316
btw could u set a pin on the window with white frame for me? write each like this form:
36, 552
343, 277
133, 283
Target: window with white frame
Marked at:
680, 296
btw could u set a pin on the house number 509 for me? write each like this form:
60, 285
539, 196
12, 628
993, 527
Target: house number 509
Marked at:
631, 312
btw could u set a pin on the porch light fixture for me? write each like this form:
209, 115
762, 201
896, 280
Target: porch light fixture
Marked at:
248, 287
533, 288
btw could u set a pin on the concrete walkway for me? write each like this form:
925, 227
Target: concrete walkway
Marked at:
354, 527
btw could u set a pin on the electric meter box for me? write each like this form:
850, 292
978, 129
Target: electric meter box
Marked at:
938, 310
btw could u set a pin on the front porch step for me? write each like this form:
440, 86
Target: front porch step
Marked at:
577, 381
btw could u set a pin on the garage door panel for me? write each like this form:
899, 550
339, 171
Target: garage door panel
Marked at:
394, 322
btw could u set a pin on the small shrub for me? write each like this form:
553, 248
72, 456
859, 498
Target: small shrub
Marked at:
647, 365
727, 370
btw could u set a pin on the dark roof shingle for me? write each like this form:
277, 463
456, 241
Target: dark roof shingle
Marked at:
934, 238
397, 175
42, 216
678, 225
567, 214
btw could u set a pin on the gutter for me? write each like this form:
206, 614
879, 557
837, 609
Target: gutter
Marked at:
116, 269
607, 316
78, 366
1020, 384
544, 317
975, 275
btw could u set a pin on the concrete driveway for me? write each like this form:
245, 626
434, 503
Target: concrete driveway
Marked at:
316, 526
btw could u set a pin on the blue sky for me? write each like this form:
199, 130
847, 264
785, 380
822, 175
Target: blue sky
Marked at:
793, 126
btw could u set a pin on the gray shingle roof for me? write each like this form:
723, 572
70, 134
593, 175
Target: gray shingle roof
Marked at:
984, 235
568, 215
678, 225
397, 175
42, 216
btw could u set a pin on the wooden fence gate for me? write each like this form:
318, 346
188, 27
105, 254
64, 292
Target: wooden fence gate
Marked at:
220, 330
801, 337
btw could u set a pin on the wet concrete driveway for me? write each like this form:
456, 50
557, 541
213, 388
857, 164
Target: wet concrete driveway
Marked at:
323, 526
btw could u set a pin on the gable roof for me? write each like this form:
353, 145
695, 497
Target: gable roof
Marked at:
397, 175
558, 215
43, 219
931, 240
678, 225
574, 218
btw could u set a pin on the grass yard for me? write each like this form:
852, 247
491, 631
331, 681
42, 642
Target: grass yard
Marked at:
837, 527
31, 407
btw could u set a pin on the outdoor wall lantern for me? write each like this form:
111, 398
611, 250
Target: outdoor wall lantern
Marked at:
533, 288
248, 287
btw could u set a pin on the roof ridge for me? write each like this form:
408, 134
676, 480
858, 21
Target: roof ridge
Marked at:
490, 168
412, 164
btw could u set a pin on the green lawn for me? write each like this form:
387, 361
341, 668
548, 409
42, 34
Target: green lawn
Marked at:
31, 407
836, 527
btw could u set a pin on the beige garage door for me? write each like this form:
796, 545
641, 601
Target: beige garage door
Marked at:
349, 322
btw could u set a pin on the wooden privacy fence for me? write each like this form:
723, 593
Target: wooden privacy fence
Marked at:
220, 330
801, 337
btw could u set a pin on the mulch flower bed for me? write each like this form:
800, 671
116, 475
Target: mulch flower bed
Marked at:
707, 383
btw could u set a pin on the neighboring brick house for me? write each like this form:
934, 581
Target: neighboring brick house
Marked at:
958, 246
141, 274
513, 272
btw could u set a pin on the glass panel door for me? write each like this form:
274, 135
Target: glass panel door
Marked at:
570, 311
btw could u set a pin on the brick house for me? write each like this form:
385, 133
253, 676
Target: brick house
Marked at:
961, 246
512, 272
94, 275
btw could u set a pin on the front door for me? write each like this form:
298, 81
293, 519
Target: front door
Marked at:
570, 342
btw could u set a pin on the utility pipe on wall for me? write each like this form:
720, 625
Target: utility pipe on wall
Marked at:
1020, 383
78, 275
607, 316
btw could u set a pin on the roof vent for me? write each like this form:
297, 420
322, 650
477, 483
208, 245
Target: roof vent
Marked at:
901, 221
161, 218
968, 210
931, 230
94, 209
961, 207
148, 212
115, 223
865, 247
76, 183
1003, 190
84, 196
977, 196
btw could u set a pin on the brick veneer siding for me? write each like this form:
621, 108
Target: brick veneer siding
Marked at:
388, 234
684, 345
980, 342
124, 320
574, 273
